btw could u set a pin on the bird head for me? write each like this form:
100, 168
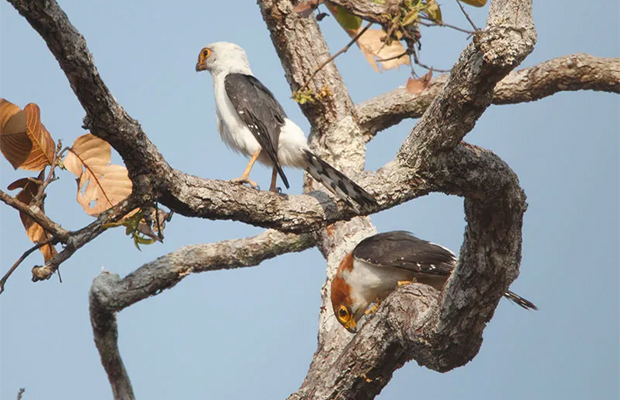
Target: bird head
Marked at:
346, 310
223, 57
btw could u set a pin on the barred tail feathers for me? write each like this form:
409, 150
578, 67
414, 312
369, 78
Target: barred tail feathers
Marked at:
338, 183
528, 305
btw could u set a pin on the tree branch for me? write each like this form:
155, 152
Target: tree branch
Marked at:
414, 323
76, 239
432, 157
110, 294
37, 215
567, 73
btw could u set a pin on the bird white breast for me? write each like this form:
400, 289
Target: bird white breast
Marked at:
370, 282
233, 130
235, 133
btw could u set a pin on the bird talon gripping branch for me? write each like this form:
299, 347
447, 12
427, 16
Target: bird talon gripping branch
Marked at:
252, 122
381, 263
242, 181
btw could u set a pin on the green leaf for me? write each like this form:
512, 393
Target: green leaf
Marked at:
410, 18
475, 3
345, 19
303, 96
433, 10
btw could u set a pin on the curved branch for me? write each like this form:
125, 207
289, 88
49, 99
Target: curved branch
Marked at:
165, 272
105, 332
110, 294
432, 157
567, 73
104, 116
183, 193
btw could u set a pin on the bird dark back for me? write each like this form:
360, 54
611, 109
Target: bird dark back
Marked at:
400, 249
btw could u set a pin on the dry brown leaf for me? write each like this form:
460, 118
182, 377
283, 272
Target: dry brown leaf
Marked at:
416, 86
14, 141
374, 49
43, 145
100, 185
35, 232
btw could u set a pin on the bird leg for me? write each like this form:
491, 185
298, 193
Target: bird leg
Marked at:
245, 177
374, 308
274, 177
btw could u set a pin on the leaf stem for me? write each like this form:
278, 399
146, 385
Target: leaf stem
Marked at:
330, 59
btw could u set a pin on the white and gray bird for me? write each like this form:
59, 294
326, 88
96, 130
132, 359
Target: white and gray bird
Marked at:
252, 122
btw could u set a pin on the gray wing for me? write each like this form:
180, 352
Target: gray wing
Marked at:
260, 111
401, 249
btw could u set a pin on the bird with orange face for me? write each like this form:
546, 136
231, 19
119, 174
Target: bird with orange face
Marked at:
379, 263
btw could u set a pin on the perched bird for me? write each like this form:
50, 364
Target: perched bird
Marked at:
252, 122
379, 263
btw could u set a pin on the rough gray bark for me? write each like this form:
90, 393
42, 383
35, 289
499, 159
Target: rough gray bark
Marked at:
571, 72
440, 331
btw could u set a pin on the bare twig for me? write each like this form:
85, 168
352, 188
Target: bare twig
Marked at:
38, 199
404, 53
417, 61
467, 15
79, 238
38, 216
20, 393
332, 58
441, 23
6, 276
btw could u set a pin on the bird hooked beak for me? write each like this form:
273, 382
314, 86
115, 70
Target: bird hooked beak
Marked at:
351, 325
200, 66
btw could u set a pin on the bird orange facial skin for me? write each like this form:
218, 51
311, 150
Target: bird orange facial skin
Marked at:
341, 295
380, 263
201, 65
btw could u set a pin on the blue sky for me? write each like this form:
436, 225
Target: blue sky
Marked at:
251, 333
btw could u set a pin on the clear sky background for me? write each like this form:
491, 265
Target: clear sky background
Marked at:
251, 333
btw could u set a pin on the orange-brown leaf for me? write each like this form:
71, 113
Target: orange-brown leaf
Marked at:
100, 185
14, 141
43, 145
416, 86
35, 232
374, 48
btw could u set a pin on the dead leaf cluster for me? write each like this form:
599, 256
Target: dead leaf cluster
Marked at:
27, 144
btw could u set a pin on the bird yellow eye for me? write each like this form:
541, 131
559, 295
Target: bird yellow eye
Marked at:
343, 313
206, 53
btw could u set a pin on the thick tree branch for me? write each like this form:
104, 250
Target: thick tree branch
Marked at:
105, 331
567, 73
165, 272
104, 116
375, 11
110, 294
150, 173
440, 332
494, 208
